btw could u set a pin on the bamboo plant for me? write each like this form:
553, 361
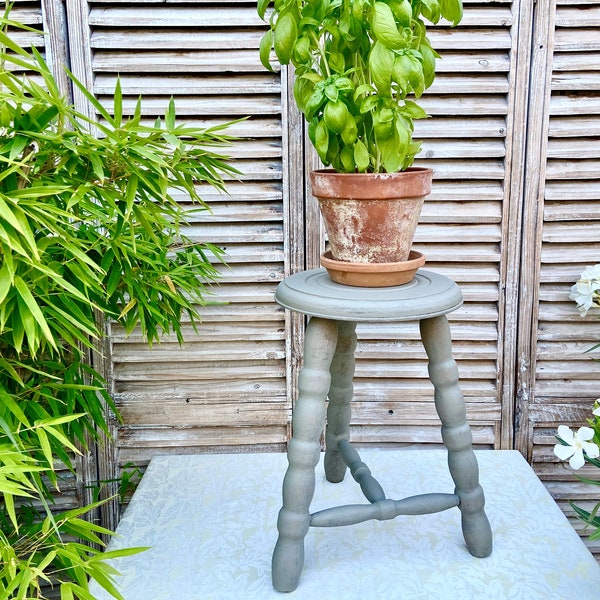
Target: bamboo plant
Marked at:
88, 226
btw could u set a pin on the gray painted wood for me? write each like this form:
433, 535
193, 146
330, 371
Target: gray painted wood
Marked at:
330, 330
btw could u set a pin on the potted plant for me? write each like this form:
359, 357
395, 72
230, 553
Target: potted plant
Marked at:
360, 66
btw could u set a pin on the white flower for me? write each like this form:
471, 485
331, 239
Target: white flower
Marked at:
596, 411
593, 274
586, 292
577, 444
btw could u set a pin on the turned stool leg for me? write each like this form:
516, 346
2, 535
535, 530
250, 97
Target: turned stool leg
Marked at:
456, 435
340, 396
303, 453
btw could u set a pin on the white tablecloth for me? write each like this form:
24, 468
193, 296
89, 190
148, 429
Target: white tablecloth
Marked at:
211, 523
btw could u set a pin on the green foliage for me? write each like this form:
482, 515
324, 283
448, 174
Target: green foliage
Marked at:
359, 64
89, 228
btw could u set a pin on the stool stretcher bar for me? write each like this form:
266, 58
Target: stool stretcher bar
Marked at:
380, 508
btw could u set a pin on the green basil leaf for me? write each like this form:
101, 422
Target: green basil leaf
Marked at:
392, 154
413, 110
266, 43
347, 159
303, 91
368, 104
335, 116
452, 10
361, 156
402, 10
314, 102
332, 92
428, 56
321, 140
416, 77
401, 73
384, 27
284, 40
431, 10
350, 131
333, 151
301, 53
381, 63
261, 8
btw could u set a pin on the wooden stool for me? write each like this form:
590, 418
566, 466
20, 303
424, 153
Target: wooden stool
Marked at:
327, 372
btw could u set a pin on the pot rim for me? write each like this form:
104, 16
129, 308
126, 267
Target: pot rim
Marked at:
330, 184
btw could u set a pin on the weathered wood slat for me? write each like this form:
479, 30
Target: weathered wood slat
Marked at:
443, 128
580, 82
578, 254
379, 349
236, 233
416, 434
161, 16
462, 253
232, 106
172, 414
181, 39
141, 442
575, 40
577, 18
585, 231
187, 84
567, 211
463, 150
485, 232
570, 169
255, 348
583, 62
401, 332
209, 61
582, 126
411, 390
575, 148
394, 413
216, 391
574, 105
476, 105
239, 211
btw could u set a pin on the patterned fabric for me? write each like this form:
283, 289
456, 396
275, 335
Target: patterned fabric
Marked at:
211, 522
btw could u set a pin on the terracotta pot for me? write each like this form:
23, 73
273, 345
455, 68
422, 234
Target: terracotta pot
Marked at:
371, 217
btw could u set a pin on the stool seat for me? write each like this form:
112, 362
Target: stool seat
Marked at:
314, 293
324, 399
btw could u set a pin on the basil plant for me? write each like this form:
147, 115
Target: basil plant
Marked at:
360, 65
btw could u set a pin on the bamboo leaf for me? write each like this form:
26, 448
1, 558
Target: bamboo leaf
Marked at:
118, 104
35, 310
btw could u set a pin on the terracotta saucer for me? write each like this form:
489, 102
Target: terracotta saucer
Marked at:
373, 274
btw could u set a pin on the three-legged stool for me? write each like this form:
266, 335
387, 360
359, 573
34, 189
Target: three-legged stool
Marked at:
327, 372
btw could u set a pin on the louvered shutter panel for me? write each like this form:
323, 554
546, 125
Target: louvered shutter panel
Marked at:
462, 233
561, 382
226, 387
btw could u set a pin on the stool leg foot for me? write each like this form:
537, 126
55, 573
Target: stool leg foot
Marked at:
340, 397
303, 453
457, 435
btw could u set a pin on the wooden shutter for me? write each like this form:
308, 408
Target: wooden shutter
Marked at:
559, 382
226, 388
464, 233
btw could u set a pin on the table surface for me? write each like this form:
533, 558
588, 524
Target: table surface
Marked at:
210, 520
314, 293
